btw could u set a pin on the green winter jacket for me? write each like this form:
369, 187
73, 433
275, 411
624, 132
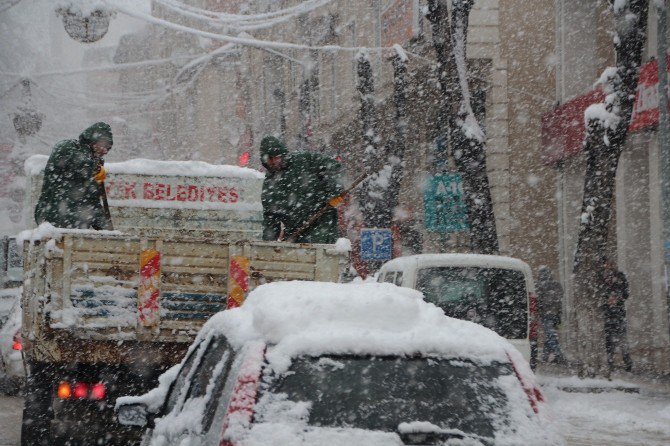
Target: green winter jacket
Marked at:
294, 194
70, 196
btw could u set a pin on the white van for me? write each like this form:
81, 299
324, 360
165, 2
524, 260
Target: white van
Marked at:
493, 291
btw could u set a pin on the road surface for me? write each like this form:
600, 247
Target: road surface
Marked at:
612, 418
10, 420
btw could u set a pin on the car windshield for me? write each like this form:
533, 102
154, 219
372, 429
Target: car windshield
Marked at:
493, 297
379, 393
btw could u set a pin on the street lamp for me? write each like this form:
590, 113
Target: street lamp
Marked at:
27, 121
85, 28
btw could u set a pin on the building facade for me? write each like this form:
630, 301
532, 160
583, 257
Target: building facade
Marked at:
584, 50
310, 99
219, 110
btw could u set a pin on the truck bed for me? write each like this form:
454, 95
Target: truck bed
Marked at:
84, 285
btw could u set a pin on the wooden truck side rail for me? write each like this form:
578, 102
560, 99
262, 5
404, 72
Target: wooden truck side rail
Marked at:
124, 288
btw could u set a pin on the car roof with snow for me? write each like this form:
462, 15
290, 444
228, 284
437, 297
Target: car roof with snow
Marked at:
313, 318
457, 259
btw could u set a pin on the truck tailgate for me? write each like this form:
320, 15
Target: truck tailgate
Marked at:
88, 282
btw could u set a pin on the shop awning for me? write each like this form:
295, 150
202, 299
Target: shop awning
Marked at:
563, 127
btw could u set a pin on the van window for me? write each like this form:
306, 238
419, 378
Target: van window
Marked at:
494, 297
389, 277
398, 278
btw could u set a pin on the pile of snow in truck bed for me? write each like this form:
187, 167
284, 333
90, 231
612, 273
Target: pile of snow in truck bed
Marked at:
35, 164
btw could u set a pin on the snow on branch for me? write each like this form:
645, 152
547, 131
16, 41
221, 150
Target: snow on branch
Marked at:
400, 52
468, 122
362, 56
606, 114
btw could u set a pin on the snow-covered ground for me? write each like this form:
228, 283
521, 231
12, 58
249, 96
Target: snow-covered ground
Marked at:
613, 418
10, 420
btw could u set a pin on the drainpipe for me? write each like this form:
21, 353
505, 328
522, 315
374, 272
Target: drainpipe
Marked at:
664, 133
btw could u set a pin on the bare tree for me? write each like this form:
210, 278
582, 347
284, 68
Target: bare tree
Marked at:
606, 134
373, 190
397, 144
464, 133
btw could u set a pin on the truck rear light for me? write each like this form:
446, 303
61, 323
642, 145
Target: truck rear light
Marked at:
80, 390
64, 390
16, 341
98, 392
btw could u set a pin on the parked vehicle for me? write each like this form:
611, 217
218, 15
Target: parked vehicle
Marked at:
11, 263
342, 364
12, 372
495, 291
106, 312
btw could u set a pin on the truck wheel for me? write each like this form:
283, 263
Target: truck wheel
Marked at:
37, 408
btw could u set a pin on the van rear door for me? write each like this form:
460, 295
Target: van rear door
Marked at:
494, 297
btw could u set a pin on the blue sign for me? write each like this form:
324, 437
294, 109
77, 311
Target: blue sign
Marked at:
376, 244
444, 204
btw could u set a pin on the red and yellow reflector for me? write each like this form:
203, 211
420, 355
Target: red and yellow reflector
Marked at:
148, 291
238, 281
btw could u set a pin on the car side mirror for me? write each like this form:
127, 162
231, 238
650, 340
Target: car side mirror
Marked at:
133, 414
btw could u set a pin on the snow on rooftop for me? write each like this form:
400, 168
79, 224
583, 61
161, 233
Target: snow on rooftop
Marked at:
35, 165
298, 318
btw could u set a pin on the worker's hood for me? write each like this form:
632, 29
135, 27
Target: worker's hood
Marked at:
270, 147
100, 131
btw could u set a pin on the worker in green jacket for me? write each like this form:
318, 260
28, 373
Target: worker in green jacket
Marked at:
71, 190
296, 186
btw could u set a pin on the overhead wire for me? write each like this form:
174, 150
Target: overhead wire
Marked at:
242, 22
300, 8
250, 42
105, 68
8, 4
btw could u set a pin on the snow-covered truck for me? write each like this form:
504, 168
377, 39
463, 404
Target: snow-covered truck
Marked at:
105, 312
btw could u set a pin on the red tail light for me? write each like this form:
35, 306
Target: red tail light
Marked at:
64, 391
532, 393
243, 399
80, 390
244, 159
98, 392
16, 341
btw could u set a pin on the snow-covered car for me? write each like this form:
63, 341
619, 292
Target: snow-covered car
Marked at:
343, 364
12, 372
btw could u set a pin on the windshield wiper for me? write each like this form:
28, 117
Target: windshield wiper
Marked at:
429, 434
419, 438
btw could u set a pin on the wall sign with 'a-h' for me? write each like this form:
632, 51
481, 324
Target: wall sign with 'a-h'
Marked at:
444, 203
